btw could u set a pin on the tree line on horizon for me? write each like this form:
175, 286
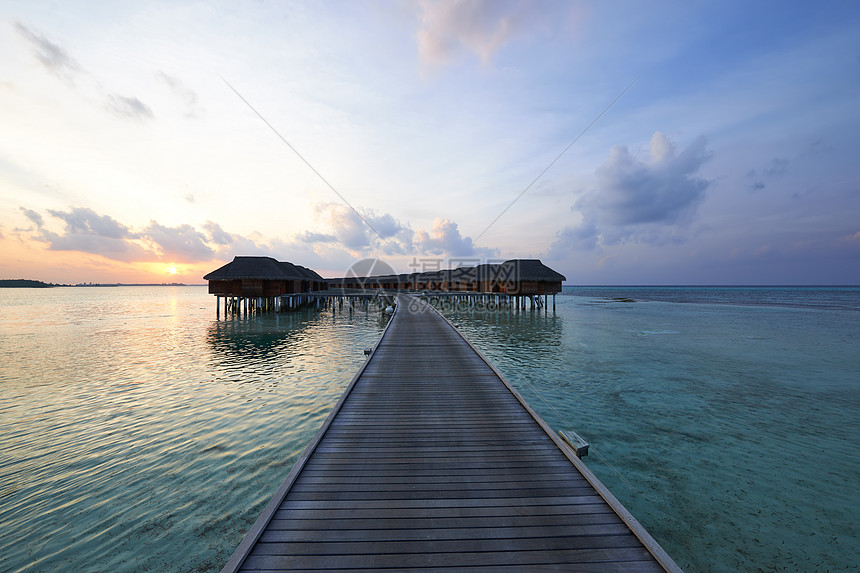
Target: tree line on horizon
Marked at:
25, 283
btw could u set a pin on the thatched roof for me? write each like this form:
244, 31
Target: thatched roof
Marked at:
291, 270
265, 268
530, 270
515, 270
464, 274
308, 274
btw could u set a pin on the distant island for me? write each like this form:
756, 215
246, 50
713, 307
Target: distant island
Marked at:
28, 283
25, 283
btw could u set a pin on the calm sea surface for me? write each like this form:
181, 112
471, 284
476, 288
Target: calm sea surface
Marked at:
139, 432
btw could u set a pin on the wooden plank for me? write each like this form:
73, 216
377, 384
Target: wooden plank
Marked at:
420, 466
461, 513
355, 494
409, 478
422, 472
466, 544
465, 446
432, 457
374, 505
370, 483
430, 559
357, 527
519, 531
649, 566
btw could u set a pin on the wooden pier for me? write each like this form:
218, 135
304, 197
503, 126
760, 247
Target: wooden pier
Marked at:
431, 461
239, 305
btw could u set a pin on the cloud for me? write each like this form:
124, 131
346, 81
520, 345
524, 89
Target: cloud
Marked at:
88, 232
385, 225
444, 238
129, 107
181, 244
218, 235
345, 224
632, 192
388, 235
479, 26
108, 247
51, 55
58, 61
86, 221
639, 201
84, 230
391, 237
182, 92
226, 244
582, 238
34, 217
310, 237
777, 167
757, 184
380, 232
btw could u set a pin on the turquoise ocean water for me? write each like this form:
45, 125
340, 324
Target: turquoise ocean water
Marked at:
140, 432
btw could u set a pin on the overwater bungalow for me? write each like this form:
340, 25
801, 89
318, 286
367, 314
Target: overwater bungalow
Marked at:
251, 277
267, 284
520, 277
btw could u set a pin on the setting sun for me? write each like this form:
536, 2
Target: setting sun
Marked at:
171, 270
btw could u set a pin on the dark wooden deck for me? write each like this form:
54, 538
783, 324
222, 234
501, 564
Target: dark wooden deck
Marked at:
431, 461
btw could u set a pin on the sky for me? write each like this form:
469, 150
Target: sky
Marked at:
658, 142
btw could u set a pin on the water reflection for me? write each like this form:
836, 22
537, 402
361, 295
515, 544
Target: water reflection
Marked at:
534, 329
256, 337
309, 351
282, 335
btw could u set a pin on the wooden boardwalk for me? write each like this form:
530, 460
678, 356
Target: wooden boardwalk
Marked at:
430, 461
